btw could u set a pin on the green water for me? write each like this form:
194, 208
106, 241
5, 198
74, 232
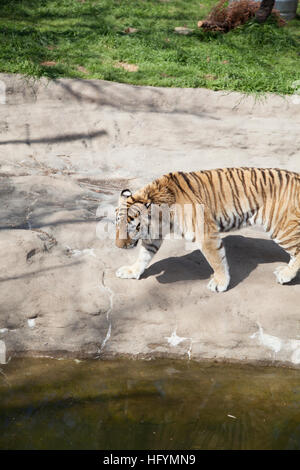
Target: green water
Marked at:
51, 404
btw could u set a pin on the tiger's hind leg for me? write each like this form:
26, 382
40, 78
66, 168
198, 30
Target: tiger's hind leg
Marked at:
291, 244
285, 274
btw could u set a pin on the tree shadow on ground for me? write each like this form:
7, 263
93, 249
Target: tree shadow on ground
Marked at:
244, 254
58, 138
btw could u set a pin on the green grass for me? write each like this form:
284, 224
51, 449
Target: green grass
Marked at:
86, 39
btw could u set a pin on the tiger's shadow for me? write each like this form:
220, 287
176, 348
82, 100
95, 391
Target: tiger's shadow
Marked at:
244, 254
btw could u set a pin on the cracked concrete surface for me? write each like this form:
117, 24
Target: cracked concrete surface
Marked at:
67, 147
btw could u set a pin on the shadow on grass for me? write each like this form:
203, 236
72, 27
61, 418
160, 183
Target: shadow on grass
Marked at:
32, 27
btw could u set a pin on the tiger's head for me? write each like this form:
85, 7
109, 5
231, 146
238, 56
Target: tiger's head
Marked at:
132, 218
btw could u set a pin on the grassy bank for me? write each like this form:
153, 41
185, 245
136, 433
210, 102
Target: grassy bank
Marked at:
90, 39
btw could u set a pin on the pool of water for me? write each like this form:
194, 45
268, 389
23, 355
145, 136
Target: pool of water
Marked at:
163, 404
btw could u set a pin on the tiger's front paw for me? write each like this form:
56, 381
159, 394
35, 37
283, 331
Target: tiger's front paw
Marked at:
284, 274
216, 285
128, 272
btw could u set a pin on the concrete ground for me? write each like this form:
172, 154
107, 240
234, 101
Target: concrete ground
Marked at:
67, 148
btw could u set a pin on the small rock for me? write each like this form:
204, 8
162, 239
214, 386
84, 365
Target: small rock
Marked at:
130, 30
48, 63
183, 30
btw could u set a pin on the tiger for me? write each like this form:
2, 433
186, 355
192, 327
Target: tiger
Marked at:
231, 198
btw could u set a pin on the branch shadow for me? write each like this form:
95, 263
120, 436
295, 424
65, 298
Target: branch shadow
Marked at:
244, 254
39, 272
56, 139
102, 95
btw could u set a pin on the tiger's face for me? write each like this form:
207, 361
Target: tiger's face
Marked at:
131, 220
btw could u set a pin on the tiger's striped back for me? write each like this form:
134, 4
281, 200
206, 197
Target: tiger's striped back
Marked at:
235, 197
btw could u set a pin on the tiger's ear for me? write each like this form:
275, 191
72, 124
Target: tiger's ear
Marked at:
126, 193
147, 205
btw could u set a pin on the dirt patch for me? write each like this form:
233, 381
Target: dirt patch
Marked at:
48, 63
127, 67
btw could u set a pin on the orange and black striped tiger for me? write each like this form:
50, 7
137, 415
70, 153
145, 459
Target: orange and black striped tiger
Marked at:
230, 198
